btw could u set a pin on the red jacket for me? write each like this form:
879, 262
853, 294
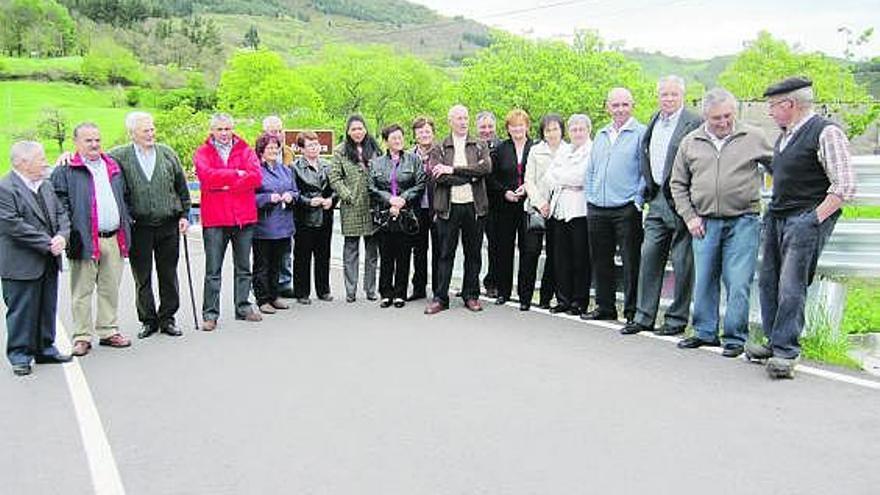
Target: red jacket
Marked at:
228, 198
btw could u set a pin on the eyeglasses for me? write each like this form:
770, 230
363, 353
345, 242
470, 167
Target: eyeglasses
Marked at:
774, 104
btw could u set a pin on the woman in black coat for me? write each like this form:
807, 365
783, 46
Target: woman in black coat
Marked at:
397, 181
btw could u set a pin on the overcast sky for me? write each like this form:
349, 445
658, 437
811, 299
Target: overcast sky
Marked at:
687, 28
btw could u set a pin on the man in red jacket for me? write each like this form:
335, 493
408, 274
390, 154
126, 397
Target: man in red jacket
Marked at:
229, 173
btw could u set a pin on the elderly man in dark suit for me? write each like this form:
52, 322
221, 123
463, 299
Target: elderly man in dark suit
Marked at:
665, 232
33, 233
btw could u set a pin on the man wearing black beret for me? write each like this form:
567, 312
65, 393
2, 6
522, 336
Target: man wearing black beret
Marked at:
812, 178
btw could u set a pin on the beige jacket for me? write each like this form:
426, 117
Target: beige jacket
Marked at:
538, 191
707, 182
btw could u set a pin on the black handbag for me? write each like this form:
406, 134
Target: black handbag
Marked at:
535, 222
406, 221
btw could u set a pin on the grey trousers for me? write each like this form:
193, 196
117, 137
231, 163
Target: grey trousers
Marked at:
665, 235
351, 261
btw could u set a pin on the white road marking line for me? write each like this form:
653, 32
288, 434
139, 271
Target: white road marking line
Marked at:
801, 368
102, 464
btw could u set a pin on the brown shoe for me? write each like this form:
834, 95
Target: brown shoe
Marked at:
434, 307
473, 305
116, 340
209, 325
267, 309
279, 304
250, 316
81, 348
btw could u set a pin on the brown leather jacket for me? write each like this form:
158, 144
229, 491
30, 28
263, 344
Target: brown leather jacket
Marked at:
479, 166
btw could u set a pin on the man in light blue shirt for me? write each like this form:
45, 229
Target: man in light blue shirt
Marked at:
613, 188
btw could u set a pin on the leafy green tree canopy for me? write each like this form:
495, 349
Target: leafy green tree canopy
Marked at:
767, 60
42, 28
547, 76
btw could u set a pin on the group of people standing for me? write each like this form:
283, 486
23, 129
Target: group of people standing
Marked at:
685, 188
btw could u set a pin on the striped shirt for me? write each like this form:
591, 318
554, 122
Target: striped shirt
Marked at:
833, 155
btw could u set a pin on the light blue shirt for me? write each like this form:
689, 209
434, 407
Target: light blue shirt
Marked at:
661, 136
108, 211
614, 177
146, 160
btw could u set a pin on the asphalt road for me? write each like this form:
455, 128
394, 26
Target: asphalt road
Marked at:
338, 398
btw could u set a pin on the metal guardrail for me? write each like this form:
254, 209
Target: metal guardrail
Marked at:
854, 247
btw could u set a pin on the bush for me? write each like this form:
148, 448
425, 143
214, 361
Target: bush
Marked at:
109, 63
862, 312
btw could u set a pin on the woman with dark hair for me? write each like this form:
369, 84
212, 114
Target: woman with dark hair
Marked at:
506, 194
314, 220
397, 181
275, 198
429, 153
349, 174
537, 202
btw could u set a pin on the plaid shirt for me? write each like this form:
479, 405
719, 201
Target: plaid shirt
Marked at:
833, 155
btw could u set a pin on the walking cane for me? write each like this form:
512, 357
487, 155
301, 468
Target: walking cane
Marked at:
189, 278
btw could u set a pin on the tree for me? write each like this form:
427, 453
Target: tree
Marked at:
252, 38
110, 63
42, 28
767, 60
183, 129
53, 126
259, 83
376, 82
544, 76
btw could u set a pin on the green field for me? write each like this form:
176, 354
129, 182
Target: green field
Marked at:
15, 67
21, 104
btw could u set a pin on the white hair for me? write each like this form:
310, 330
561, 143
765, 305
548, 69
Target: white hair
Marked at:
217, 118
620, 90
134, 118
485, 114
715, 97
455, 109
272, 119
580, 118
671, 78
23, 152
803, 97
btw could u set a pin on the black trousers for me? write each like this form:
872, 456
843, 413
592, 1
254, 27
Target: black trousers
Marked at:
427, 234
612, 229
530, 247
312, 243
162, 243
394, 256
30, 315
571, 258
268, 259
508, 218
462, 221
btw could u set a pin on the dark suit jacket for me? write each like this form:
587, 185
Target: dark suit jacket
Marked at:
25, 232
687, 122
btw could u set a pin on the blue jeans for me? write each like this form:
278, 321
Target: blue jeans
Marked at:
216, 240
727, 253
792, 245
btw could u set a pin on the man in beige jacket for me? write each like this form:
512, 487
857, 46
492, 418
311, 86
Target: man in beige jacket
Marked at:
716, 185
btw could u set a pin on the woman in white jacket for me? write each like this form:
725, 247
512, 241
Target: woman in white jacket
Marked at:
538, 197
571, 256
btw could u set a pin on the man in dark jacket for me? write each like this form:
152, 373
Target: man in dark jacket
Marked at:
92, 190
665, 231
33, 232
461, 205
160, 204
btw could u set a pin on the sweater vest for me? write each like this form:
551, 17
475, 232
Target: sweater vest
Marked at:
799, 180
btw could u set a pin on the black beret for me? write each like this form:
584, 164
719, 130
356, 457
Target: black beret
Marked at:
787, 86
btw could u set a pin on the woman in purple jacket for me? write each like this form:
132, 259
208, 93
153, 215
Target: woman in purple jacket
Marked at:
275, 199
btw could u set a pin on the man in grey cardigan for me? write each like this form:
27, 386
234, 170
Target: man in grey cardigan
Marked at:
160, 203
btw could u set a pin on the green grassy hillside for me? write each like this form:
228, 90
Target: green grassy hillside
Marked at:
21, 104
